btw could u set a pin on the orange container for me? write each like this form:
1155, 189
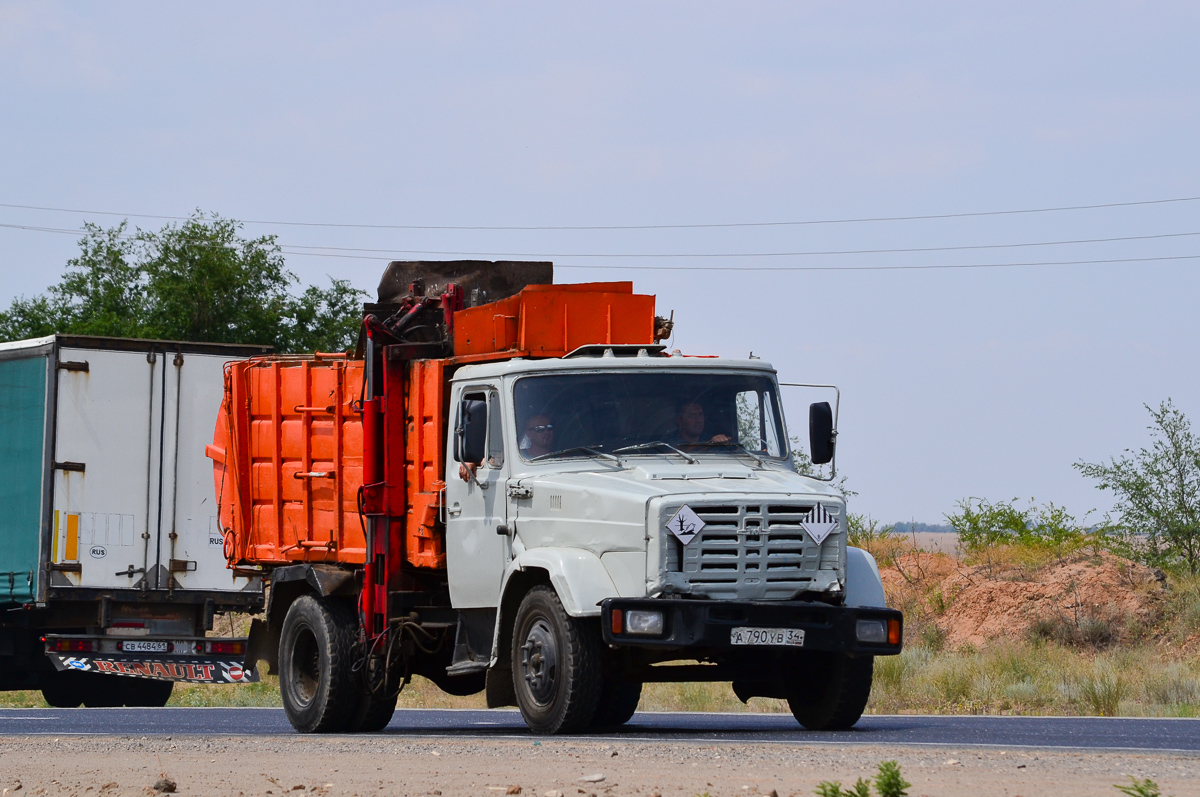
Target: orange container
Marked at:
287, 459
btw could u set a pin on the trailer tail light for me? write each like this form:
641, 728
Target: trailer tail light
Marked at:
70, 645
893, 632
231, 648
616, 621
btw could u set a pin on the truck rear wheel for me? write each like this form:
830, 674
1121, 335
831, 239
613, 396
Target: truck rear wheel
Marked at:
555, 664
618, 703
65, 689
373, 712
315, 654
833, 691
146, 692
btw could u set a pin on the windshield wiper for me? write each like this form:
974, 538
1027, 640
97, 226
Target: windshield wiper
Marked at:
576, 449
657, 444
731, 444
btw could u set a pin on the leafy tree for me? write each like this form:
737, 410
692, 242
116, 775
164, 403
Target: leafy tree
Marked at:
1157, 490
196, 281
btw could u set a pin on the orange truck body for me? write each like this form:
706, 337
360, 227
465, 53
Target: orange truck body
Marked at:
289, 447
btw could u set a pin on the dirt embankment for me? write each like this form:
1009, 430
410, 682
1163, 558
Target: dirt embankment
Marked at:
1096, 598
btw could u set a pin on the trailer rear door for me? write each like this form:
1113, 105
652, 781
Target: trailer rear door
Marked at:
133, 505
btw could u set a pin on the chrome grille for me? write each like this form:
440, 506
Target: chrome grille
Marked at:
751, 551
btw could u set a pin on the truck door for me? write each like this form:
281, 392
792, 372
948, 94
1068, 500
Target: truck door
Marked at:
476, 554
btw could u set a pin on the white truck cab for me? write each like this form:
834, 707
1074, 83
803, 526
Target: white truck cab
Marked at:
659, 495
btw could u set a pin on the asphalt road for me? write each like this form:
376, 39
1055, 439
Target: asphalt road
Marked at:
1037, 732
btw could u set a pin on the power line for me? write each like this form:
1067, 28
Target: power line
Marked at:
296, 249
809, 222
950, 266
754, 254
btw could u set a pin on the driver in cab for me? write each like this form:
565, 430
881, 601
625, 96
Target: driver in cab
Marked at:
538, 439
689, 423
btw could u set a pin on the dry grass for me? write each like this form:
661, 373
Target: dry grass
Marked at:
1037, 678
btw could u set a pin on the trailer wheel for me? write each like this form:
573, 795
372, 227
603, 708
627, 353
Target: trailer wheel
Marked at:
555, 664
315, 654
63, 689
618, 702
832, 691
103, 691
146, 692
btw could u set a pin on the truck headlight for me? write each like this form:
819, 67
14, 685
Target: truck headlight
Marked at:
642, 621
874, 632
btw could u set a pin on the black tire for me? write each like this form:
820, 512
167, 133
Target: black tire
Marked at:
146, 692
64, 689
618, 702
103, 691
373, 713
316, 647
833, 691
555, 664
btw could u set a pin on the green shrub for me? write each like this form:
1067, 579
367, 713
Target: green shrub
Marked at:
834, 789
982, 524
889, 781
1139, 788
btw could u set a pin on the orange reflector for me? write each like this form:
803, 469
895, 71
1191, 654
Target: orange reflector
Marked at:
893, 632
616, 621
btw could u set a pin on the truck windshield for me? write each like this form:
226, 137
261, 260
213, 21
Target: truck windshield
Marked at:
648, 413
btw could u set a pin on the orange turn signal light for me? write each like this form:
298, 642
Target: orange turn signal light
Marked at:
617, 619
893, 632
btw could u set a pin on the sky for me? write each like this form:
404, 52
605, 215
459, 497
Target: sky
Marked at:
955, 382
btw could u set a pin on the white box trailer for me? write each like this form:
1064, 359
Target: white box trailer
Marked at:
111, 556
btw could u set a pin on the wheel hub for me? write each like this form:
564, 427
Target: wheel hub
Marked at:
539, 661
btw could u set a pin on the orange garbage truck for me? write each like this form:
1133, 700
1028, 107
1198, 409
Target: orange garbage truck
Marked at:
512, 487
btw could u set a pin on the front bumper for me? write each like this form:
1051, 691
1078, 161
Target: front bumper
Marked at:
708, 624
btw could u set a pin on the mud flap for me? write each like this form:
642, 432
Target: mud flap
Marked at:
185, 669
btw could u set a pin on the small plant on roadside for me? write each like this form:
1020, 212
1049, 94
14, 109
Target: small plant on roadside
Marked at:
889, 782
1139, 788
834, 789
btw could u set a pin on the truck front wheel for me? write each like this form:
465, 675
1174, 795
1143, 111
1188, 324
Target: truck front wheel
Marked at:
315, 655
832, 691
618, 703
555, 664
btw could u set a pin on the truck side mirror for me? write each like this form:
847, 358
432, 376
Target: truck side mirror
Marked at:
821, 435
471, 431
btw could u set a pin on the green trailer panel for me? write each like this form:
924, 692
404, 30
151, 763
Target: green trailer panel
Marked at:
22, 469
